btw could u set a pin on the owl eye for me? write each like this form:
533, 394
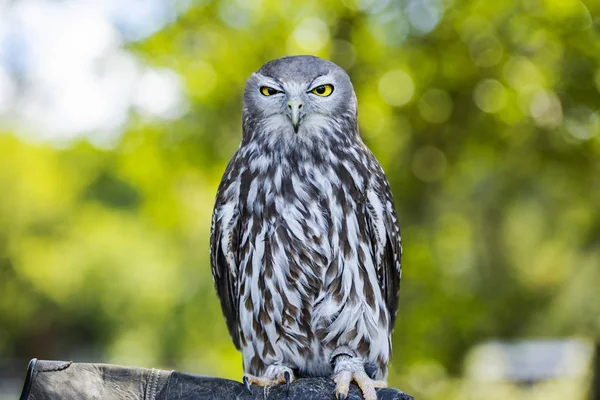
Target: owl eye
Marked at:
323, 90
268, 91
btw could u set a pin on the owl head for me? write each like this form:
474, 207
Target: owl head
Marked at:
299, 96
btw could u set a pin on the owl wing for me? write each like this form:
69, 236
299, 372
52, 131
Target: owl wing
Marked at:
384, 232
224, 248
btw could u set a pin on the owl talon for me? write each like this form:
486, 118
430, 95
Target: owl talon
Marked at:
342, 384
350, 369
247, 384
274, 375
288, 378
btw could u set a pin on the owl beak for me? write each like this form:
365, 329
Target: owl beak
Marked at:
294, 106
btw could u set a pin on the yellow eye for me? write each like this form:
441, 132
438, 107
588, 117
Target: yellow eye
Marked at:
323, 90
268, 91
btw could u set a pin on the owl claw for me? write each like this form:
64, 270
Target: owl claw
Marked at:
288, 378
274, 375
341, 396
247, 384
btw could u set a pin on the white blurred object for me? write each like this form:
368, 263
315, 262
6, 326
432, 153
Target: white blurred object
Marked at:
7, 92
159, 93
529, 360
64, 73
530, 369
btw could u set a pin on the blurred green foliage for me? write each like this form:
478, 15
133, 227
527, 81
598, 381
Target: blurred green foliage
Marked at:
484, 115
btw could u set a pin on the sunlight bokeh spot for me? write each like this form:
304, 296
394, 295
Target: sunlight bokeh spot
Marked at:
396, 87
311, 35
390, 26
424, 15
520, 73
490, 96
546, 109
582, 123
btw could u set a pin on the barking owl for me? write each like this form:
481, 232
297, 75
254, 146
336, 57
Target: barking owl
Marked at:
305, 245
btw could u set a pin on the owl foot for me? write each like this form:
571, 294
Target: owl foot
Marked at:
274, 375
348, 369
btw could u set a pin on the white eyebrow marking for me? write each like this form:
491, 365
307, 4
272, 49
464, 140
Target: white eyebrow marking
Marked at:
320, 80
268, 81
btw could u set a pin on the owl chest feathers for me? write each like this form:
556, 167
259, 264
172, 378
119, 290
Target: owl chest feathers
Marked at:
309, 208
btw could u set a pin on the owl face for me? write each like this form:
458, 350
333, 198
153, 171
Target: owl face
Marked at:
298, 95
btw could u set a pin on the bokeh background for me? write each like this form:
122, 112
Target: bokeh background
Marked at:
117, 119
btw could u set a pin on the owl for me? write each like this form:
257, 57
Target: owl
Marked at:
305, 244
